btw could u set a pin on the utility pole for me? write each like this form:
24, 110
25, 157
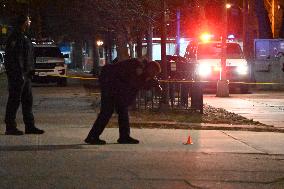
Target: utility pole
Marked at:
178, 32
223, 83
245, 19
165, 96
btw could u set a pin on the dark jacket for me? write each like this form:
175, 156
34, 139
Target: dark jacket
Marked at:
122, 82
19, 56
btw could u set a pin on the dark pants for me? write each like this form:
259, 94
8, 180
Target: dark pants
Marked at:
109, 103
19, 92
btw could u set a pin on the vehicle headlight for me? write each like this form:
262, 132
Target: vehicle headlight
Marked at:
217, 68
242, 70
204, 70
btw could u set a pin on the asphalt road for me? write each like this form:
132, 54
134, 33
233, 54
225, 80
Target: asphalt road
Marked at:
60, 159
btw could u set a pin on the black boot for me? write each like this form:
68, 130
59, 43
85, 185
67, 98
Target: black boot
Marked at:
127, 140
94, 141
33, 130
13, 131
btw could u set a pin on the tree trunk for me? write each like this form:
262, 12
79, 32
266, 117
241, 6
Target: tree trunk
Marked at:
265, 31
95, 58
110, 53
107, 61
38, 25
78, 55
139, 45
150, 42
131, 49
109, 47
121, 47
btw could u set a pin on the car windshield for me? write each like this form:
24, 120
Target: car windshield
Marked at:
214, 51
47, 52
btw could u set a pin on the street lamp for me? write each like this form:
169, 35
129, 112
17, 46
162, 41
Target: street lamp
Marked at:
228, 5
100, 43
223, 83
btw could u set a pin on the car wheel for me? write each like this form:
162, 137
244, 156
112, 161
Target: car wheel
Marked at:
244, 89
62, 82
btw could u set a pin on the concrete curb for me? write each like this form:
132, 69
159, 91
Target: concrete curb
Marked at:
198, 126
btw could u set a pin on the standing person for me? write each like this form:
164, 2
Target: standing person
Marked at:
119, 84
19, 64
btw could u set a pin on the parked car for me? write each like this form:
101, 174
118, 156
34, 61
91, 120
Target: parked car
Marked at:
2, 68
207, 57
49, 64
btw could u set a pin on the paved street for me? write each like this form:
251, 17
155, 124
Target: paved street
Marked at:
60, 159
217, 159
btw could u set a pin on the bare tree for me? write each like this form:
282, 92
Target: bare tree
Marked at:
281, 32
126, 20
263, 20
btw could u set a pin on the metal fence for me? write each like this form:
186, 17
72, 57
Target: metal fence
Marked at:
186, 95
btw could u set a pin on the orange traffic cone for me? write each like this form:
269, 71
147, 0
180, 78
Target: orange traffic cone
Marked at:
188, 141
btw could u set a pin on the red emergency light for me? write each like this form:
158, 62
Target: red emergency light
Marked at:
206, 37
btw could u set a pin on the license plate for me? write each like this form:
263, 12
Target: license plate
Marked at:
41, 60
41, 74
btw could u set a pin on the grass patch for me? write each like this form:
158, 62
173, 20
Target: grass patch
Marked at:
211, 115
170, 116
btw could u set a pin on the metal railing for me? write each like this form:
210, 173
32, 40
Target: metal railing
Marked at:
186, 95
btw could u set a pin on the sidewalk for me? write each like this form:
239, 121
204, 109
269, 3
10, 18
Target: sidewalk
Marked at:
259, 107
167, 140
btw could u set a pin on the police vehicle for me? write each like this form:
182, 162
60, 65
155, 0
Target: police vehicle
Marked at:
207, 56
49, 63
